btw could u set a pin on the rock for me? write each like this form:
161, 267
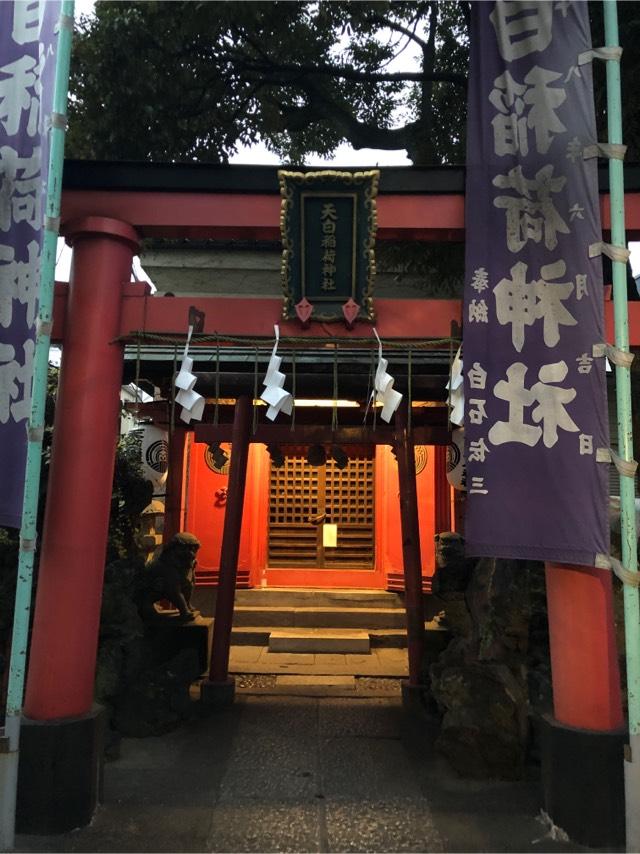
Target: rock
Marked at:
496, 668
484, 729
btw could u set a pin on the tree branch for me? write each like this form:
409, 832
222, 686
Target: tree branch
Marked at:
394, 25
347, 73
360, 134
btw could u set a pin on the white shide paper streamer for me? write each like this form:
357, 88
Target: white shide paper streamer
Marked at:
455, 387
383, 386
274, 393
191, 402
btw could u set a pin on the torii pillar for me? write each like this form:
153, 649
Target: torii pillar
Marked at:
61, 750
412, 563
582, 744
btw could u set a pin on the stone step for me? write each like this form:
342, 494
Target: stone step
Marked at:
319, 640
250, 635
315, 685
299, 597
436, 637
317, 617
388, 638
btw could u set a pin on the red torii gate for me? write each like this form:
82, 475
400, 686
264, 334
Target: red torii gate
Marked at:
96, 313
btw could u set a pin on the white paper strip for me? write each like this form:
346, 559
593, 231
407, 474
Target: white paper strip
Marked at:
383, 385
274, 393
391, 401
195, 412
456, 390
191, 402
330, 536
188, 398
185, 380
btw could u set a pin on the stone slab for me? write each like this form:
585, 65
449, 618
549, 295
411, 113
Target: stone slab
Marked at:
379, 662
316, 686
246, 654
318, 598
314, 640
284, 659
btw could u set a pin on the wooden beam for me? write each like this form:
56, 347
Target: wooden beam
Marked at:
256, 216
237, 316
410, 318
307, 434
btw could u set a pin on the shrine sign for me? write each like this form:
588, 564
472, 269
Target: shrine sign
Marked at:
27, 65
328, 226
536, 425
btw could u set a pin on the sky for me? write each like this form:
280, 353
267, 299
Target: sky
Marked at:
344, 156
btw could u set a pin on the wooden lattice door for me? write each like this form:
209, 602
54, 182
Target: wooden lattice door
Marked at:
303, 498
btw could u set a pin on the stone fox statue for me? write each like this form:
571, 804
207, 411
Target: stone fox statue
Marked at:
170, 576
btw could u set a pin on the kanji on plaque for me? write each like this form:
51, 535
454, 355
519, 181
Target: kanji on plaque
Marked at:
535, 391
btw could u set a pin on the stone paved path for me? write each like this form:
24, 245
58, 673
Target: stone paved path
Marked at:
380, 661
300, 774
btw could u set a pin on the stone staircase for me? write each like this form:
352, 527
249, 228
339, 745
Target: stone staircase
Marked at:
295, 620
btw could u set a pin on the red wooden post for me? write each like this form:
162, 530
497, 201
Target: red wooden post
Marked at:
442, 490
410, 544
69, 593
584, 658
219, 672
173, 493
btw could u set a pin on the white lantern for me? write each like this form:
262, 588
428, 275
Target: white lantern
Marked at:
456, 463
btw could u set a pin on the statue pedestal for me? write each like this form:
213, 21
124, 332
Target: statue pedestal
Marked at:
169, 636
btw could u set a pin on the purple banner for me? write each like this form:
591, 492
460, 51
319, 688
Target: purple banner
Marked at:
27, 68
535, 391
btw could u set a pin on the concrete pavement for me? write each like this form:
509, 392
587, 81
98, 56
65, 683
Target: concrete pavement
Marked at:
278, 773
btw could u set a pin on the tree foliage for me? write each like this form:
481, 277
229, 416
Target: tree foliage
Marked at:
131, 494
194, 80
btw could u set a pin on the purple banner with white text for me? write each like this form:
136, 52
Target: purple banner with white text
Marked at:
536, 427
27, 69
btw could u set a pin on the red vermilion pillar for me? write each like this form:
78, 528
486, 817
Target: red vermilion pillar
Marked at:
442, 490
411, 558
67, 610
173, 492
219, 689
584, 658
582, 744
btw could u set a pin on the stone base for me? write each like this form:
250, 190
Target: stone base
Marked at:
218, 695
169, 636
412, 699
582, 778
304, 640
60, 772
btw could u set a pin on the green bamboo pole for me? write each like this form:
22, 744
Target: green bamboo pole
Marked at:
10, 748
625, 435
